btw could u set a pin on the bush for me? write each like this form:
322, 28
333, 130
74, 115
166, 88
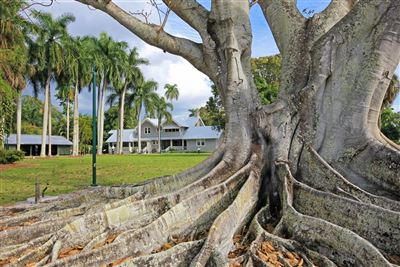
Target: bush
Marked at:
10, 156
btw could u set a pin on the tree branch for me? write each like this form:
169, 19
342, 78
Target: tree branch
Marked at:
192, 13
325, 20
284, 20
151, 34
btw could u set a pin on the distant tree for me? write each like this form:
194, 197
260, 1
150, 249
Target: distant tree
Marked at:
266, 74
14, 32
392, 92
47, 52
390, 124
162, 111
194, 112
144, 96
171, 91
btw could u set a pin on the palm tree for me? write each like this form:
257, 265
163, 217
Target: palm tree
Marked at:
130, 73
112, 54
78, 70
48, 53
171, 91
144, 96
161, 108
65, 93
14, 33
194, 112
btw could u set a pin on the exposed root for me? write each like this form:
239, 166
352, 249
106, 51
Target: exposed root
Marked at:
326, 238
315, 168
370, 222
378, 164
218, 242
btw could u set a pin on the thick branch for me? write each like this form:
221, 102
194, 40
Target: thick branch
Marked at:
152, 34
325, 20
284, 20
192, 13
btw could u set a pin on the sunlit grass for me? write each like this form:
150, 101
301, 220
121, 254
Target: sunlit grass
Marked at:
66, 174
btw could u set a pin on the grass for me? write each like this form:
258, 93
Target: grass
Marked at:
66, 174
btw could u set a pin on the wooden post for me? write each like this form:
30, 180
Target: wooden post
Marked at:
37, 192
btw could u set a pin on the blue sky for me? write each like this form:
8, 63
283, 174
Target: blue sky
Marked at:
166, 68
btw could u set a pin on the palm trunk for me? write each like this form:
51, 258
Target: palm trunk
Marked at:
139, 131
50, 125
121, 121
75, 134
159, 134
19, 113
98, 111
101, 118
45, 113
68, 103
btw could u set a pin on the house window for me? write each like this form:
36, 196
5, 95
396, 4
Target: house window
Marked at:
146, 130
171, 130
200, 142
155, 142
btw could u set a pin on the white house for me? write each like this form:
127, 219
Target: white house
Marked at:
186, 134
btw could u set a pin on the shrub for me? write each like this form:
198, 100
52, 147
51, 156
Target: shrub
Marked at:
10, 156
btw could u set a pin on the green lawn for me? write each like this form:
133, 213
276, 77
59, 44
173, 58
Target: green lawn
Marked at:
66, 174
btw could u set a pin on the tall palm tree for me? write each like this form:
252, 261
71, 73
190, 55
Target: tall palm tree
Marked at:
144, 97
48, 54
14, 34
161, 107
78, 70
112, 54
131, 74
65, 93
171, 91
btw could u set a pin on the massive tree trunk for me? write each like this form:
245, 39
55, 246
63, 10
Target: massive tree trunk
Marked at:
308, 180
45, 112
75, 133
19, 115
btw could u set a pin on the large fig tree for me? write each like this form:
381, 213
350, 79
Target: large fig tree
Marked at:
310, 175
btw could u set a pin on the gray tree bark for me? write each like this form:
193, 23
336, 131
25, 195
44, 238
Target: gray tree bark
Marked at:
309, 175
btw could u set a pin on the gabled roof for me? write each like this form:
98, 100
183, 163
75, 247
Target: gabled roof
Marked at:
127, 135
189, 123
202, 132
31, 139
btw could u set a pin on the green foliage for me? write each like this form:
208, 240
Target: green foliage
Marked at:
32, 114
171, 91
10, 156
7, 107
213, 113
266, 73
390, 124
85, 130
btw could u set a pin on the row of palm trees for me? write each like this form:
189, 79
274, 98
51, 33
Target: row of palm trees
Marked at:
55, 56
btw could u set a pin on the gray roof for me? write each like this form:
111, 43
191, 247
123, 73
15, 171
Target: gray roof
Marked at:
31, 139
190, 132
